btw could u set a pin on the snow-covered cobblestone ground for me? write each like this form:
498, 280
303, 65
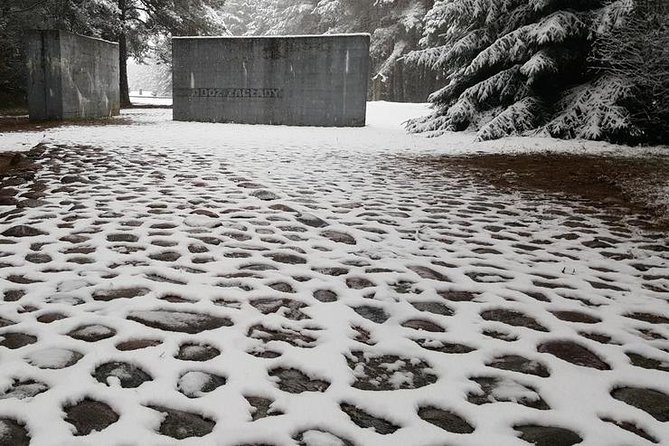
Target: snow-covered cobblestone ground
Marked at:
235, 285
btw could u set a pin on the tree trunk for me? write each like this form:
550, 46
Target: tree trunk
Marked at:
123, 67
123, 58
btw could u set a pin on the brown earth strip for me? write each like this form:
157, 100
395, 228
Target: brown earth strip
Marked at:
634, 183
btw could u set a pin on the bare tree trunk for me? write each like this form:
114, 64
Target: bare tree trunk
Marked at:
123, 67
123, 58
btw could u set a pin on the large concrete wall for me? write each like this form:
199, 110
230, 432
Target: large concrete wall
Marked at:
71, 76
311, 80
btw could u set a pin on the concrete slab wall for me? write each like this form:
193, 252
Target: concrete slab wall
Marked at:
71, 76
306, 80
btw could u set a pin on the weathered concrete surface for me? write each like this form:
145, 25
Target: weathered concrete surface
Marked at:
314, 80
71, 76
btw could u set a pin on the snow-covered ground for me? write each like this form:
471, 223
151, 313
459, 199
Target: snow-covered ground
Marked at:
20, 141
384, 131
148, 99
280, 286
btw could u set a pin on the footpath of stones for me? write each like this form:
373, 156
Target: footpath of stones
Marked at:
299, 296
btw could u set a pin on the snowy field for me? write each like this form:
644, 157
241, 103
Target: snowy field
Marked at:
384, 131
206, 284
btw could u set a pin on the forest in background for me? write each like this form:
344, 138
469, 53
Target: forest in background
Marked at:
594, 69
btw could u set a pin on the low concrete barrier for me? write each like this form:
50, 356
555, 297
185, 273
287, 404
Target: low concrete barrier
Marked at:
71, 76
305, 80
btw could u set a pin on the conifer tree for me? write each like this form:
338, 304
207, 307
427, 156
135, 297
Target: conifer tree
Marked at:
636, 55
239, 14
516, 66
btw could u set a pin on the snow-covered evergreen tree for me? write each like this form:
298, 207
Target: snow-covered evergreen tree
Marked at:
238, 15
284, 17
514, 66
636, 55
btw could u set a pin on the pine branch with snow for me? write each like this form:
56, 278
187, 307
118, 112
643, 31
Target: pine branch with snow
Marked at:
514, 120
591, 110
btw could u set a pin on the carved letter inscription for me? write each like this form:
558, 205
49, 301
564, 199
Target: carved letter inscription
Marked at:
258, 93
